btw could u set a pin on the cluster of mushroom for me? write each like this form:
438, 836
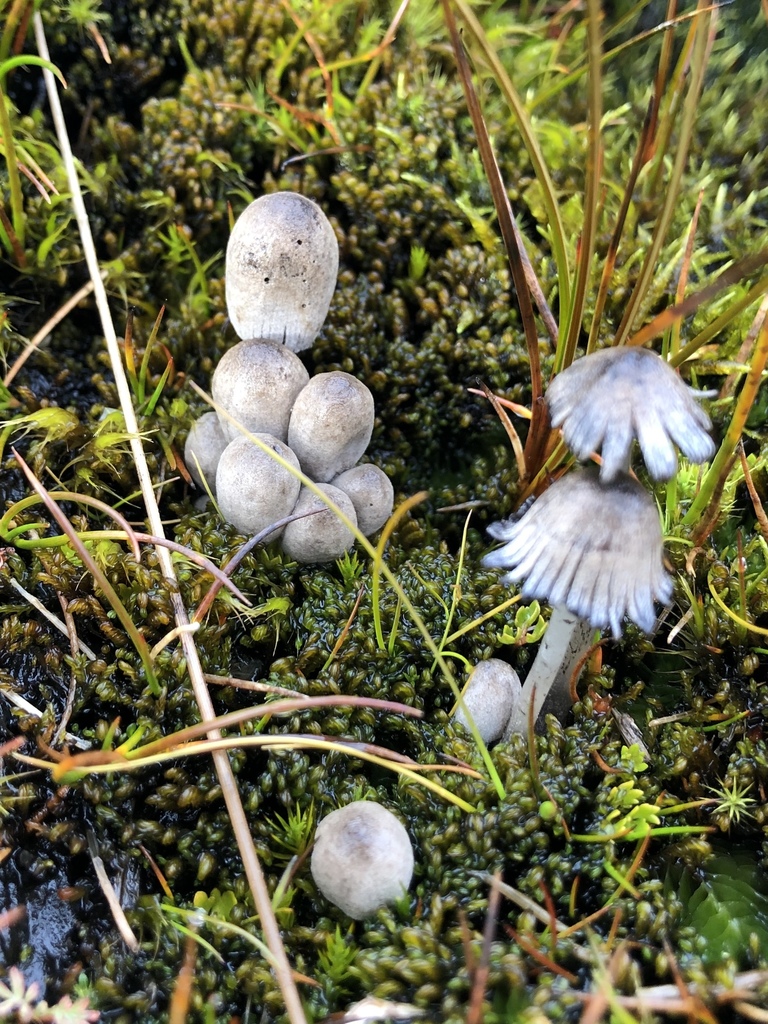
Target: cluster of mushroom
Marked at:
591, 545
281, 267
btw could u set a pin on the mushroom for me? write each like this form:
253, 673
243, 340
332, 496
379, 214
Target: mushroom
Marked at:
257, 383
281, 268
203, 448
362, 858
372, 495
331, 424
490, 697
606, 399
321, 537
594, 552
252, 489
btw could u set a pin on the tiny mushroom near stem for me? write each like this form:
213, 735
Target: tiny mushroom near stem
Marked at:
592, 545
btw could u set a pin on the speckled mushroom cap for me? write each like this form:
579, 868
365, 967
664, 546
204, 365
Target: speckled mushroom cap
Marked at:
282, 264
252, 489
605, 400
257, 382
594, 548
331, 424
362, 858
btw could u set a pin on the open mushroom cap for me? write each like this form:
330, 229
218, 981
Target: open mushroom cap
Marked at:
605, 400
282, 264
591, 547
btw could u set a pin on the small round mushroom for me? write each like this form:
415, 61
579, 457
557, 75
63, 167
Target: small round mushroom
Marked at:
362, 858
257, 382
282, 263
607, 399
331, 424
252, 489
372, 495
321, 537
490, 696
204, 446
594, 551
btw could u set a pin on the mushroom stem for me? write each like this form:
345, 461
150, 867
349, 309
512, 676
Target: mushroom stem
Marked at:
567, 639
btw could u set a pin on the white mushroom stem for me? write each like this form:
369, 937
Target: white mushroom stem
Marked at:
566, 640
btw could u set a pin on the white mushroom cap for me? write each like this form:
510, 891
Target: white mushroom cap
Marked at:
331, 424
257, 382
372, 495
362, 858
490, 697
321, 537
594, 548
282, 264
252, 489
204, 445
607, 399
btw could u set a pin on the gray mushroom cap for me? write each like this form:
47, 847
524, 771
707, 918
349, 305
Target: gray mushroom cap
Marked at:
490, 696
372, 495
252, 489
605, 400
594, 548
281, 269
362, 858
331, 424
203, 448
257, 382
321, 537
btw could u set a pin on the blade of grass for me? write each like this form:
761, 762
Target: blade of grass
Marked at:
240, 826
513, 242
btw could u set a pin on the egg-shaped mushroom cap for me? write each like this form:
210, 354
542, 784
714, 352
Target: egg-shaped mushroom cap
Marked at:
490, 696
331, 424
204, 446
362, 858
257, 383
605, 400
281, 269
321, 537
594, 548
371, 492
253, 489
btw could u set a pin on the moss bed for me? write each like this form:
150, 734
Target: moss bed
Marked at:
200, 109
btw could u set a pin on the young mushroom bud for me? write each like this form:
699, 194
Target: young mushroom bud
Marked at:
257, 383
331, 424
253, 490
372, 495
282, 263
606, 399
594, 552
321, 537
490, 697
204, 447
362, 858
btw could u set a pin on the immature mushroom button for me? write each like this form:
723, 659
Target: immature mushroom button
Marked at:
331, 424
372, 495
253, 490
490, 696
257, 383
281, 269
204, 446
607, 399
362, 858
321, 537
594, 552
